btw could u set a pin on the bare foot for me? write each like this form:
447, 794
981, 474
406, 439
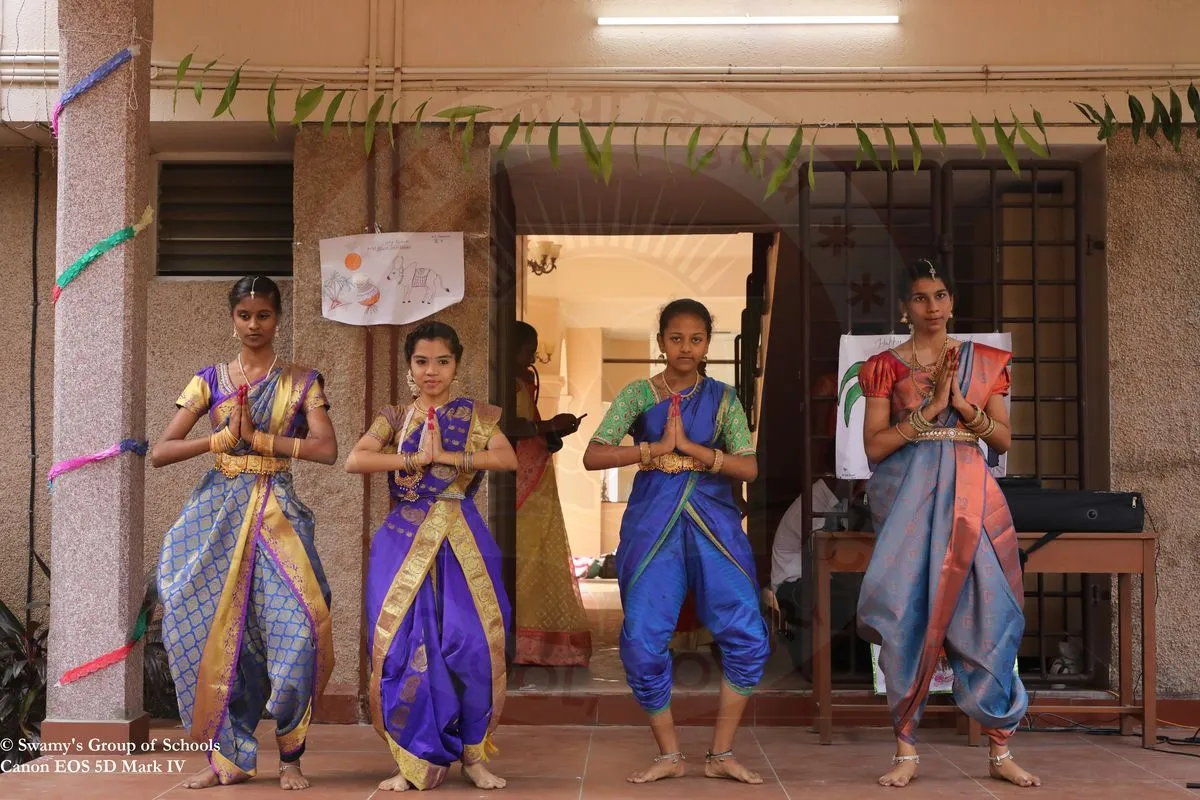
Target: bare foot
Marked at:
1008, 770
479, 775
668, 766
203, 779
729, 767
901, 773
290, 776
396, 783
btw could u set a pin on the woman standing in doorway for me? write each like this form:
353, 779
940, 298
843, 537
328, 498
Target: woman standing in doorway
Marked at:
552, 628
683, 531
436, 609
246, 621
945, 570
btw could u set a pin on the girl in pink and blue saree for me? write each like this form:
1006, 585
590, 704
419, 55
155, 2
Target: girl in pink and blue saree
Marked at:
437, 614
246, 622
945, 570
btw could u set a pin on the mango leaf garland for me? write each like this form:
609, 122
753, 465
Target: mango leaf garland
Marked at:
865, 147
893, 156
1005, 143
980, 139
1193, 98
939, 133
180, 74
591, 152
372, 119
1028, 139
306, 104
606, 153
230, 92
708, 156
1041, 126
419, 112
509, 134
552, 144
1137, 116
331, 112
916, 146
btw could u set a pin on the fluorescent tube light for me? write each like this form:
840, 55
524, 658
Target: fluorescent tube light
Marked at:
749, 20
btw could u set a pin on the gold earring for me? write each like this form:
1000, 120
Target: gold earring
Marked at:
904, 318
235, 334
412, 384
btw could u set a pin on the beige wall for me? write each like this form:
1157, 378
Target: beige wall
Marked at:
1154, 335
579, 490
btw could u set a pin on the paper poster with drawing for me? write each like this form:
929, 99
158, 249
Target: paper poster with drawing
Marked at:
390, 278
853, 352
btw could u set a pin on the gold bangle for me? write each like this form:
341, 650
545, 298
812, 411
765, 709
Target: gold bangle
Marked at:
918, 422
470, 462
296, 447
645, 448
718, 462
222, 441
977, 421
263, 443
981, 425
904, 435
991, 428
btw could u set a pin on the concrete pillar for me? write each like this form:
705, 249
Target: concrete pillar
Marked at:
100, 373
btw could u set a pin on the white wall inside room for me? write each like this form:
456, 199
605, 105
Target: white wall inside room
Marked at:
602, 302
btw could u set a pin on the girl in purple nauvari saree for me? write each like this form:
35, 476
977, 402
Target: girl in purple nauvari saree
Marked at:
437, 614
246, 621
945, 571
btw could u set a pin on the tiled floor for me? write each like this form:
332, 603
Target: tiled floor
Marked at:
591, 762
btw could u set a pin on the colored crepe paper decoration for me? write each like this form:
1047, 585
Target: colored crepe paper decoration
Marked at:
91, 79
124, 446
149, 600
100, 248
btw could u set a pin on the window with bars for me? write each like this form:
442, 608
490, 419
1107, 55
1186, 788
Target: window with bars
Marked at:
224, 219
1013, 247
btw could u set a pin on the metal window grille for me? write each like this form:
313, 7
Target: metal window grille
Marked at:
1013, 247
224, 219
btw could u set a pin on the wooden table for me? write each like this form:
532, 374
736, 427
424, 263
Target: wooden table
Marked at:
1122, 554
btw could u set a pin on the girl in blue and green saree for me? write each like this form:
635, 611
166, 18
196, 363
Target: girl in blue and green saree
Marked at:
682, 532
246, 622
945, 572
437, 614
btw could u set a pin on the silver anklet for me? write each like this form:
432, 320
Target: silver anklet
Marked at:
288, 765
902, 759
996, 761
674, 758
710, 756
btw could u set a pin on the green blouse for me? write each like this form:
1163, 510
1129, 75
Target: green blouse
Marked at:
641, 395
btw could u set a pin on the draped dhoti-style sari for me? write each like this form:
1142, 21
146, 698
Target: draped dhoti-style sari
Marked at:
246, 623
552, 627
437, 614
682, 531
945, 571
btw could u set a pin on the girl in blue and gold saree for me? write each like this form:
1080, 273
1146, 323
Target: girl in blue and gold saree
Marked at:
246, 622
945, 574
437, 614
681, 532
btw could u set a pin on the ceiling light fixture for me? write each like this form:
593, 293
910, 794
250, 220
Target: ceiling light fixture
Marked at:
751, 20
